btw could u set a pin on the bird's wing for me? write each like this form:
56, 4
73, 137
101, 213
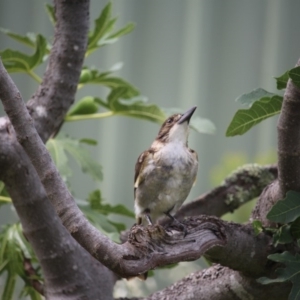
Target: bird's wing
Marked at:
194, 153
142, 159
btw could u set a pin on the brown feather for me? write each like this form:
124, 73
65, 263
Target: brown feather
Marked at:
138, 166
163, 133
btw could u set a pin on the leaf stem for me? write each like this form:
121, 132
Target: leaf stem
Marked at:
89, 117
34, 76
5, 199
9, 287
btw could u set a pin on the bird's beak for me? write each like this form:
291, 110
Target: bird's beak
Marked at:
187, 115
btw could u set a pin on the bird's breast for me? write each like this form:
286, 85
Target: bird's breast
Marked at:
168, 178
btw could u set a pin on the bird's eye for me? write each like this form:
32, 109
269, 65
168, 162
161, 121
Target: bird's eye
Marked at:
170, 120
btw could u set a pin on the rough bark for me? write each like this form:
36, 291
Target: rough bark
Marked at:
288, 129
220, 283
56, 93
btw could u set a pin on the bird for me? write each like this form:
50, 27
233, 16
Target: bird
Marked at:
166, 172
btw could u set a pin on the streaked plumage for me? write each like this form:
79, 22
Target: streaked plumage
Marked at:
165, 173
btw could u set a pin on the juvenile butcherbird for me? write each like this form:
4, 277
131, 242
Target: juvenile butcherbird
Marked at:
166, 172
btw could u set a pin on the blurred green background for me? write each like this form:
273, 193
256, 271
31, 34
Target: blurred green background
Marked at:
181, 53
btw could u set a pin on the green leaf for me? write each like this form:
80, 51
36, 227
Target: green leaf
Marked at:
116, 83
282, 80
51, 13
102, 223
286, 210
84, 106
79, 153
125, 30
102, 103
294, 74
257, 227
244, 119
94, 76
13, 248
58, 154
89, 142
29, 291
135, 107
290, 273
119, 226
96, 203
100, 28
29, 39
99, 219
282, 235
15, 61
3, 265
295, 228
102, 32
82, 157
249, 98
9, 286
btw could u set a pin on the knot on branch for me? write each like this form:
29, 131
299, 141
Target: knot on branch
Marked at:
170, 243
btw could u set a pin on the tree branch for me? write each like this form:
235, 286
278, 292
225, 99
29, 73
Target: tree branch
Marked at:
288, 129
48, 106
152, 247
221, 283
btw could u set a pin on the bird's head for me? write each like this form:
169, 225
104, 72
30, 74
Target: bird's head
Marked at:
176, 128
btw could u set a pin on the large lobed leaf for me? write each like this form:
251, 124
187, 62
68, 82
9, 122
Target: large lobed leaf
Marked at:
98, 213
16, 61
245, 119
118, 102
295, 229
94, 76
96, 202
249, 98
103, 30
294, 74
29, 39
290, 273
282, 80
58, 148
286, 210
13, 250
